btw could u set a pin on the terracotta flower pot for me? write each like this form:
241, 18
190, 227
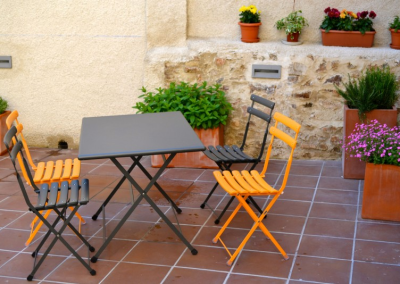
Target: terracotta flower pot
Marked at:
295, 37
395, 39
250, 32
381, 197
347, 39
208, 137
3, 130
353, 168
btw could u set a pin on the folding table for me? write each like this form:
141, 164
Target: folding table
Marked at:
135, 136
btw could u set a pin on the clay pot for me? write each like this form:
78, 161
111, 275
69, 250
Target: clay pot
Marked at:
395, 39
381, 197
3, 130
347, 39
295, 37
208, 137
352, 167
250, 32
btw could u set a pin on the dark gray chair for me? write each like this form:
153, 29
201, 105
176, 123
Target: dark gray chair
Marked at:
53, 198
226, 156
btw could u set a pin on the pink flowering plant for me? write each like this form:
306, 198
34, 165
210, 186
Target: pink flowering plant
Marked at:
375, 143
347, 20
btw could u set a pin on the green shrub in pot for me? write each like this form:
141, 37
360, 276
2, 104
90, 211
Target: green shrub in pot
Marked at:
3, 105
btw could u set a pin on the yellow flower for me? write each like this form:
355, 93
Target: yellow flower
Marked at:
342, 15
354, 15
343, 11
252, 7
254, 10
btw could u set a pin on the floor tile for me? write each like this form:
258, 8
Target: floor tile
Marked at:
190, 216
155, 253
72, 269
297, 193
305, 170
161, 232
377, 252
336, 196
212, 258
239, 279
184, 174
326, 247
14, 239
263, 263
6, 256
332, 171
9, 188
7, 217
372, 273
338, 183
334, 211
131, 230
290, 207
182, 276
300, 181
115, 250
321, 270
378, 232
332, 228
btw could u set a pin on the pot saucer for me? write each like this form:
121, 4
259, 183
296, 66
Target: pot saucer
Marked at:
291, 42
394, 46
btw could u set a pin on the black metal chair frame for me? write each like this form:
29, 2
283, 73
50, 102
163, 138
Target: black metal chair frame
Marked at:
55, 198
226, 156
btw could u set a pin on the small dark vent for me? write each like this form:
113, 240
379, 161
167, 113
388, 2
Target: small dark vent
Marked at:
62, 144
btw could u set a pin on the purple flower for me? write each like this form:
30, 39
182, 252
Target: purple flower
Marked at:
372, 15
363, 14
327, 10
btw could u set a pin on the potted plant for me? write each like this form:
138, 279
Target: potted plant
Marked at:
204, 107
371, 96
4, 113
347, 28
394, 28
249, 23
379, 146
292, 25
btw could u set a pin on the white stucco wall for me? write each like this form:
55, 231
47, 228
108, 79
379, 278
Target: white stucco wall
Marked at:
220, 19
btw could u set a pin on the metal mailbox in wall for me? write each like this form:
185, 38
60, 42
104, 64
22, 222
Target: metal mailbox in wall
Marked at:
266, 71
5, 61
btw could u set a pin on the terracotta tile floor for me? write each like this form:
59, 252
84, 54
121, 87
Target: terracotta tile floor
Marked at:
317, 221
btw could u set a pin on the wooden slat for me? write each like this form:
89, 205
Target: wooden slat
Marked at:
67, 169
222, 182
76, 171
243, 183
48, 171
57, 171
253, 183
263, 183
231, 180
39, 172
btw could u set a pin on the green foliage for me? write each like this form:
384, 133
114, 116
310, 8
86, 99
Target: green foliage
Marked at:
293, 23
3, 105
375, 89
395, 24
203, 106
249, 14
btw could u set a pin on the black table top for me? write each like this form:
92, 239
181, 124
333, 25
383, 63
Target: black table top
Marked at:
136, 135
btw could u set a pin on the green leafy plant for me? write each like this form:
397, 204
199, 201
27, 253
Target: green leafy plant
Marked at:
249, 14
377, 88
3, 105
293, 23
395, 24
347, 20
203, 106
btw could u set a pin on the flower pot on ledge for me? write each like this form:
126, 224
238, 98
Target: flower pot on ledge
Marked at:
381, 196
250, 32
395, 39
347, 39
208, 137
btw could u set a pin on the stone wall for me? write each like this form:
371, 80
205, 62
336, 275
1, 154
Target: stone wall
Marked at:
305, 91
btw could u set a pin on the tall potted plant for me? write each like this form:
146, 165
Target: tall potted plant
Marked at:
249, 23
394, 28
371, 96
379, 146
347, 28
292, 25
204, 107
4, 113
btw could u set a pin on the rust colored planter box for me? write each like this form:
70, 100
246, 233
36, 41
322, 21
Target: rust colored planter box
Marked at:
381, 198
3, 130
213, 136
249, 32
395, 39
347, 39
353, 168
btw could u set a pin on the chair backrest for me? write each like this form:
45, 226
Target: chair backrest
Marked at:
286, 138
252, 110
11, 120
16, 153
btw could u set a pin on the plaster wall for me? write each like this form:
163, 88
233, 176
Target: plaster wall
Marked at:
220, 20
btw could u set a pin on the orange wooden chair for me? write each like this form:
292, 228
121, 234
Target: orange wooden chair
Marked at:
243, 185
49, 172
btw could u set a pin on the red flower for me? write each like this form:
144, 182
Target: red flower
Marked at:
372, 15
364, 14
327, 10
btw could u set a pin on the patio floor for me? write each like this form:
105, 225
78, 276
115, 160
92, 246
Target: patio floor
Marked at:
317, 221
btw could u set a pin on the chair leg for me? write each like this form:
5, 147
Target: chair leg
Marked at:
208, 196
224, 210
221, 231
58, 236
36, 229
